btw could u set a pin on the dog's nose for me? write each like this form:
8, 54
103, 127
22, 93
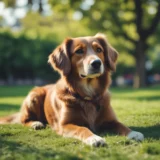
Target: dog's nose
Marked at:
96, 64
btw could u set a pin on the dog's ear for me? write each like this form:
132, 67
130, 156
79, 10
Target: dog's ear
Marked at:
110, 53
59, 58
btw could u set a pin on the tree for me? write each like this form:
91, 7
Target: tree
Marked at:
40, 4
141, 44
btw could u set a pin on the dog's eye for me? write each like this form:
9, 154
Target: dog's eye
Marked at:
79, 51
98, 50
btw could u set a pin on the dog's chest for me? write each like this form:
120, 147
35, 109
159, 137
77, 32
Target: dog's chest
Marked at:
90, 113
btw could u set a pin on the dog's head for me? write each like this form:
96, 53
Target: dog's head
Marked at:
87, 57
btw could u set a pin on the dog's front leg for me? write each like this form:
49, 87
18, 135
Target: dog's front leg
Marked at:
108, 121
121, 129
116, 127
83, 134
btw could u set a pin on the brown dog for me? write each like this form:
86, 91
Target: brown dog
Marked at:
78, 105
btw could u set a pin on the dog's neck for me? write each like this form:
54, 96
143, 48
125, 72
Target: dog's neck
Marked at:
87, 89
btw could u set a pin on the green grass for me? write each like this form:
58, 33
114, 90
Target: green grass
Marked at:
139, 109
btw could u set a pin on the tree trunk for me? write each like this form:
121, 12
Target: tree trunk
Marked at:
140, 73
40, 7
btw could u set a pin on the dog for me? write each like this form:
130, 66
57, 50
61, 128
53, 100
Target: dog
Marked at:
78, 105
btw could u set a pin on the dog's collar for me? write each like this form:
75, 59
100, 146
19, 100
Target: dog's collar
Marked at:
78, 96
94, 100
88, 98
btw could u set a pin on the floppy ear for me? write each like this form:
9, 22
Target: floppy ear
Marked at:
59, 58
110, 53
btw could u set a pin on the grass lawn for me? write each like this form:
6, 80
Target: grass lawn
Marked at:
139, 109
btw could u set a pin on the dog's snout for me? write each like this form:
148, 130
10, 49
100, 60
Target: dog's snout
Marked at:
96, 64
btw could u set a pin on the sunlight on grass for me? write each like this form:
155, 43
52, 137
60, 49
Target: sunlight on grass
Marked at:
12, 100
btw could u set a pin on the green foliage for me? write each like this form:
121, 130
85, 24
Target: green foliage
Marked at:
9, 3
138, 109
24, 57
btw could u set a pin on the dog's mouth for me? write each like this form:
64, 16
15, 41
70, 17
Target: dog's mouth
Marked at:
82, 76
90, 75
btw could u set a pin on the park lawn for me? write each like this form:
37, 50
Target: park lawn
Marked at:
139, 109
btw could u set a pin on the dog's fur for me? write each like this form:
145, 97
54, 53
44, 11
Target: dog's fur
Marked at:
78, 105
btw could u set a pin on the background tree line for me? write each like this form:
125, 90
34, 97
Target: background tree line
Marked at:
24, 58
132, 27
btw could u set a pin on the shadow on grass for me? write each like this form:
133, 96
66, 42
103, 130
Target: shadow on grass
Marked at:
142, 98
17, 150
131, 89
14, 91
153, 94
152, 132
9, 107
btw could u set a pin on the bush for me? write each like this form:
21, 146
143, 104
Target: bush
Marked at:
22, 57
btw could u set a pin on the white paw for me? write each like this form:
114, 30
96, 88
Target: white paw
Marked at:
37, 125
136, 136
95, 141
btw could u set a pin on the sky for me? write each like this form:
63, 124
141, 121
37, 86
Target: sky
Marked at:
11, 15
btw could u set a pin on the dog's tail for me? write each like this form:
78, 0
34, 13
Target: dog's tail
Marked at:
14, 118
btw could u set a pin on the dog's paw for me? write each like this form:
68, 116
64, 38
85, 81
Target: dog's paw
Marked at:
37, 125
136, 136
95, 141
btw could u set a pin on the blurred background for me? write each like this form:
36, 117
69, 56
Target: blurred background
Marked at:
31, 29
